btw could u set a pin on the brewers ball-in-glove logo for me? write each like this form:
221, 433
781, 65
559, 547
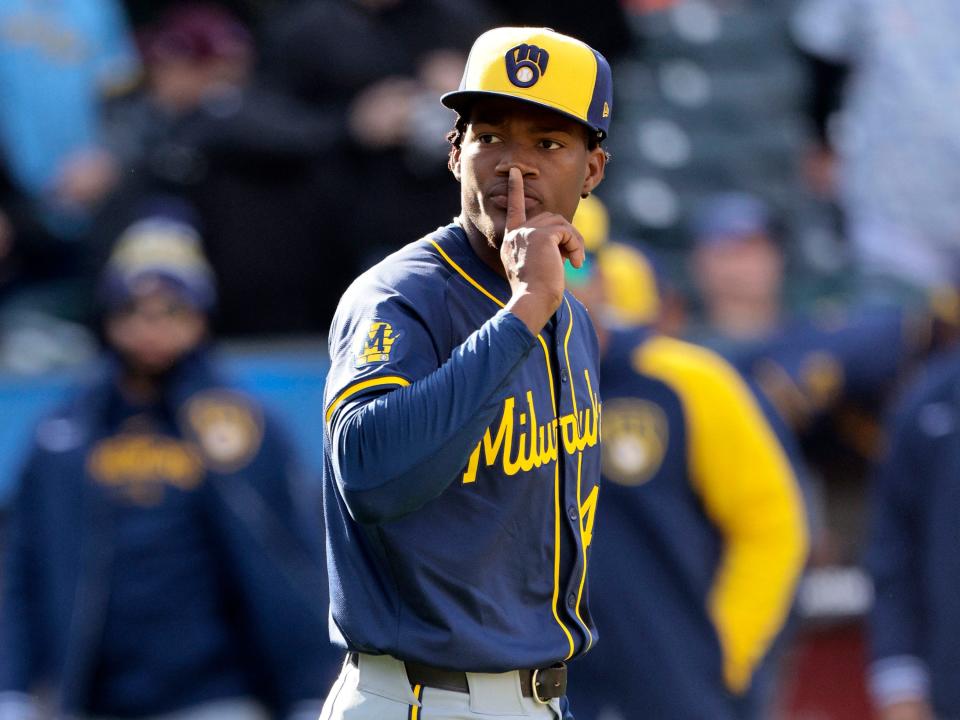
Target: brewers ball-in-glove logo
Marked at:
226, 427
376, 344
526, 64
635, 438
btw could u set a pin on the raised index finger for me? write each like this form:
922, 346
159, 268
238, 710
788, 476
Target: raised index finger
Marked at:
516, 208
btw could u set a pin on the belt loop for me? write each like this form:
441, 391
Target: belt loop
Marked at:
384, 676
496, 694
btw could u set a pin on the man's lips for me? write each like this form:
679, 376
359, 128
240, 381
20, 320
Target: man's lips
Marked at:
500, 200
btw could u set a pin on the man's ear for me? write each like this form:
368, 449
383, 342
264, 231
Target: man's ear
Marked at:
596, 165
453, 162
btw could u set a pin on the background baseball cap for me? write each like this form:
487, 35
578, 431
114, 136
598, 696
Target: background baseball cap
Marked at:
630, 278
196, 33
539, 66
160, 250
728, 216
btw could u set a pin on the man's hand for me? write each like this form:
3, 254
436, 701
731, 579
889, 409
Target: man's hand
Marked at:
532, 253
907, 710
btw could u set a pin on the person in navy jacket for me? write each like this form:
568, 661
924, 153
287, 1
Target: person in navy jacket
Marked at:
912, 553
158, 564
702, 528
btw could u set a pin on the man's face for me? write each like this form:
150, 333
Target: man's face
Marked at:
747, 268
549, 149
155, 330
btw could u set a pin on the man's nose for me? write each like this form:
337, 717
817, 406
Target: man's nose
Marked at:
515, 156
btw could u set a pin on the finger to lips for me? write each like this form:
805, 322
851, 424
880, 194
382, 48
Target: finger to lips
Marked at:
516, 209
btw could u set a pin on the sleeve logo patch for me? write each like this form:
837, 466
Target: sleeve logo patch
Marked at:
377, 344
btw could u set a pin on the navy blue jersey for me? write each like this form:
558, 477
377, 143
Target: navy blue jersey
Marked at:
462, 463
162, 556
810, 366
700, 540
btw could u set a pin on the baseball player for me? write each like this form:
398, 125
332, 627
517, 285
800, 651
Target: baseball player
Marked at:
702, 534
462, 438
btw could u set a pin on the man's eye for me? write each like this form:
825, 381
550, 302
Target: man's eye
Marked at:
550, 145
487, 138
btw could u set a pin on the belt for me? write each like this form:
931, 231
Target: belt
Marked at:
541, 684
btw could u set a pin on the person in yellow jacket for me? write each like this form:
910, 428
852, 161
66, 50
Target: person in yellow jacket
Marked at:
701, 531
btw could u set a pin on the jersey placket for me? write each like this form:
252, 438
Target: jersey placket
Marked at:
573, 554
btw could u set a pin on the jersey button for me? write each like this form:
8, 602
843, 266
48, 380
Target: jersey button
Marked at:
563, 375
572, 512
571, 600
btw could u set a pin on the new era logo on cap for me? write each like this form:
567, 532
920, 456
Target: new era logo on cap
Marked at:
540, 66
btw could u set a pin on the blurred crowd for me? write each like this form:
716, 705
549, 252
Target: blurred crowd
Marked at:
781, 191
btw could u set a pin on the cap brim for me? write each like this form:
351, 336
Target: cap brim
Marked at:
459, 100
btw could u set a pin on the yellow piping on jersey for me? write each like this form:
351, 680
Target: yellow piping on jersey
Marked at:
556, 483
478, 286
576, 418
556, 556
464, 274
363, 385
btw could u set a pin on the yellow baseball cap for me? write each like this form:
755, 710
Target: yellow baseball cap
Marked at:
629, 278
593, 222
630, 282
539, 66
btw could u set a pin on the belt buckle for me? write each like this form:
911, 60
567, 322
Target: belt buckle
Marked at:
533, 688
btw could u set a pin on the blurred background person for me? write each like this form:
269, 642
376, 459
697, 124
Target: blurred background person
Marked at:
895, 134
737, 267
162, 559
256, 162
701, 530
828, 371
59, 62
197, 56
376, 67
912, 553
712, 95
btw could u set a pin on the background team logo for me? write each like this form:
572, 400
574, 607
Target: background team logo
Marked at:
227, 429
635, 438
526, 64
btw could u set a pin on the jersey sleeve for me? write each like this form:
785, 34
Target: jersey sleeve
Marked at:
382, 345
403, 413
810, 369
749, 492
18, 661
